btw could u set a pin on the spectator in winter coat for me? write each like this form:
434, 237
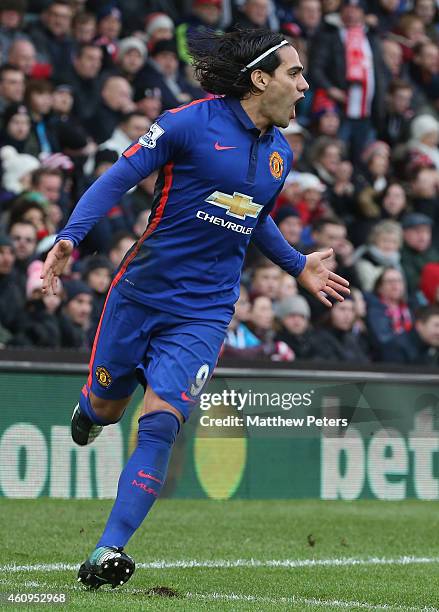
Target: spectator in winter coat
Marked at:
290, 224
10, 293
116, 101
75, 316
382, 251
12, 13
97, 272
82, 74
388, 314
417, 250
131, 59
425, 196
162, 70
38, 325
336, 342
421, 345
425, 138
16, 127
294, 314
51, 34
12, 86
24, 238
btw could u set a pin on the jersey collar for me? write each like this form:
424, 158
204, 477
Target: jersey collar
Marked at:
235, 105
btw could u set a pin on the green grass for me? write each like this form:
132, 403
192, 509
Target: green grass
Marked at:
52, 531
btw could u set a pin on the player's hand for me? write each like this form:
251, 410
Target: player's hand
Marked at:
54, 265
318, 280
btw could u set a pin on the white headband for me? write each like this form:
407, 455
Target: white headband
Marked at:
264, 55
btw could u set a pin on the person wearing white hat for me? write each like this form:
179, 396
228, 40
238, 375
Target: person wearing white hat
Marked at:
17, 169
425, 138
307, 181
132, 56
158, 26
311, 205
297, 137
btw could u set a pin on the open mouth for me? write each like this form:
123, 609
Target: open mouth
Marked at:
293, 111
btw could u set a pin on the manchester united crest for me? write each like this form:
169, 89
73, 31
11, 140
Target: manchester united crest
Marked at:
103, 376
276, 165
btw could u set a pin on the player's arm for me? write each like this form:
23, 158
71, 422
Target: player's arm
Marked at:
310, 270
99, 198
155, 149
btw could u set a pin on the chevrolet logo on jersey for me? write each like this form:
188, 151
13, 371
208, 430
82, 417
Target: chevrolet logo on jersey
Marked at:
238, 205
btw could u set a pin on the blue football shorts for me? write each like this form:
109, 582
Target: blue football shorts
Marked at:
135, 344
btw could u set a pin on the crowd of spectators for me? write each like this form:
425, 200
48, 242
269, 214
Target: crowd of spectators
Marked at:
81, 80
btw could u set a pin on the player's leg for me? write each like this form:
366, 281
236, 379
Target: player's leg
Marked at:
144, 474
117, 348
92, 413
145, 471
178, 366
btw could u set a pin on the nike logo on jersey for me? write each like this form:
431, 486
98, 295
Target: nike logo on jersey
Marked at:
218, 147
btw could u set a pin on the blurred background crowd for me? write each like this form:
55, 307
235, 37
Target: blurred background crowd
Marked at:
81, 80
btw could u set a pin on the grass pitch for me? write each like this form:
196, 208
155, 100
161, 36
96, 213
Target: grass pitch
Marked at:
235, 555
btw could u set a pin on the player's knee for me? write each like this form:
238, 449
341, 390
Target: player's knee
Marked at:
163, 426
153, 403
107, 409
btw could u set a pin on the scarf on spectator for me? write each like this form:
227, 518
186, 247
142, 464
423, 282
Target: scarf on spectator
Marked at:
359, 73
385, 259
400, 316
377, 257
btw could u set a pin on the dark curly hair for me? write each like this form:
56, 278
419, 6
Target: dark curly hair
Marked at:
219, 59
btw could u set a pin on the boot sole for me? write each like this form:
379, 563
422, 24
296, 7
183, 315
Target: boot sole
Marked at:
115, 571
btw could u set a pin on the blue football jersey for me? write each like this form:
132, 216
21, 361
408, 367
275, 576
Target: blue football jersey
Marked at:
218, 180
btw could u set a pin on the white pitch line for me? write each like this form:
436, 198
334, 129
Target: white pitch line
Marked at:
226, 564
294, 599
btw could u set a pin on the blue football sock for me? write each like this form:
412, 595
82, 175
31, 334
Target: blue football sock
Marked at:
87, 408
142, 479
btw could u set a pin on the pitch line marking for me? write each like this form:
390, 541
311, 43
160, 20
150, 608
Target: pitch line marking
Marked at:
294, 599
225, 564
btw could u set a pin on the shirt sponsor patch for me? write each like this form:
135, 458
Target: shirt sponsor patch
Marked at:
149, 140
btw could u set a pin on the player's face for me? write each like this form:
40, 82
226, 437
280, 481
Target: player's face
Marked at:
286, 87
